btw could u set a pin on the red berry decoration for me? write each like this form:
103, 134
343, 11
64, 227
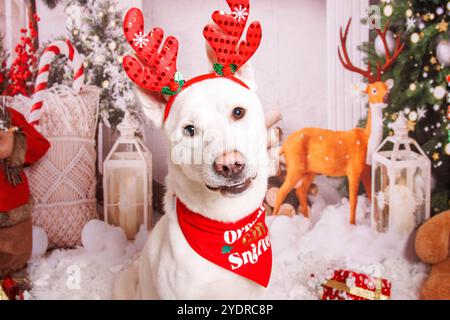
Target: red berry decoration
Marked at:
23, 68
173, 86
227, 71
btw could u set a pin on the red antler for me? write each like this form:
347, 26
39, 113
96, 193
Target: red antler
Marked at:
152, 70
346, 62
397, 50
225, 35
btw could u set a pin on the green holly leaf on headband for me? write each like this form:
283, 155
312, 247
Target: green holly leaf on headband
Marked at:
226, 249
218, 69
166, 91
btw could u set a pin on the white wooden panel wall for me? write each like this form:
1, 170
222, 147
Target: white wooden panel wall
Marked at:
14, 19
345, 108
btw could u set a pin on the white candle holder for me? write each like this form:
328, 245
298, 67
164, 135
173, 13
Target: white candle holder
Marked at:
127, 181
401, 178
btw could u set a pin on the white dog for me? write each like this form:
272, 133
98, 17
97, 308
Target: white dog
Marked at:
169, 268
218, 167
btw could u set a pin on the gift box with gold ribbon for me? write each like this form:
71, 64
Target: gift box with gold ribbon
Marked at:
10, 289
349, 285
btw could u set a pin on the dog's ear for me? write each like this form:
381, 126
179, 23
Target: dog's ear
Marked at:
153, 105
245, 73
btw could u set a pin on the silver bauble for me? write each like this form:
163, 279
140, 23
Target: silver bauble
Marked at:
379, 46
443, 52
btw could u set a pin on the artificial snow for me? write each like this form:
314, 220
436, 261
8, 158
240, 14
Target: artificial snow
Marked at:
305, 252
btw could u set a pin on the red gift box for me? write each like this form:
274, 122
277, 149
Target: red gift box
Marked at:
9, 290
349, 285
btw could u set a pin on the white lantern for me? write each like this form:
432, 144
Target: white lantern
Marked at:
401, 174
127, 181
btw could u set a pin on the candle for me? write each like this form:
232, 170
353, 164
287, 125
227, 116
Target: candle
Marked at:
128, 214
402, 208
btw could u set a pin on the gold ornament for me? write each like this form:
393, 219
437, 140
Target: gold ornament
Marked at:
439, 92
3, 295
413, 87
426, 68
433, 60
411, 125
447, 149
442, 26
436, 156
415, 38
394, 116
388, 10
413, 116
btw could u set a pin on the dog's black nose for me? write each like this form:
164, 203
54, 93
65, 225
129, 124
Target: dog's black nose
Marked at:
229, 165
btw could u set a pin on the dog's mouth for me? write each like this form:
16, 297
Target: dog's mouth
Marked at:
233, 189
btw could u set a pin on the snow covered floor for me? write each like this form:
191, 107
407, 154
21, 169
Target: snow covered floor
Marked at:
301, 247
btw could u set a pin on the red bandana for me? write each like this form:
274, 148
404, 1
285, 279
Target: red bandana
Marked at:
243, 247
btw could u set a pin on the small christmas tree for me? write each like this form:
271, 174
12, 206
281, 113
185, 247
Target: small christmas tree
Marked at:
421, 81
95, 29
23, 69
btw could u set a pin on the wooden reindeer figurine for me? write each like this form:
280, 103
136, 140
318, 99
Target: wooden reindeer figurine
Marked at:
313, 151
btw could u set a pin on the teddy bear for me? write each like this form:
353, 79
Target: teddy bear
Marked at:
433, 247
20, 145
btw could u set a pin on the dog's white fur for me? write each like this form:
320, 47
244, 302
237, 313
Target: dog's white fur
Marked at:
168, 267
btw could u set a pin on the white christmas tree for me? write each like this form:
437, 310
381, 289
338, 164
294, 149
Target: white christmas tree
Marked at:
95, 29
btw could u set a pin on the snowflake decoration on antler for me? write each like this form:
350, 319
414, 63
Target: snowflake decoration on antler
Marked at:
240, 13
140, 40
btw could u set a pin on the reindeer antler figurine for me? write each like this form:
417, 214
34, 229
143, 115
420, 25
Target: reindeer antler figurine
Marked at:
312, 151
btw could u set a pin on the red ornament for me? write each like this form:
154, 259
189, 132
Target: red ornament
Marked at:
225, 35
349, 285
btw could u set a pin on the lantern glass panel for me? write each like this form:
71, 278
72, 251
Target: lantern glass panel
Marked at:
380, 202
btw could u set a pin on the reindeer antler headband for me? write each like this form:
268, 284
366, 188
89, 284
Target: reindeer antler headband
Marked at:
156, 70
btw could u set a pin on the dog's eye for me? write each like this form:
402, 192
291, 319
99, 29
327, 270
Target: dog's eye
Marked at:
238, 113
189, 130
